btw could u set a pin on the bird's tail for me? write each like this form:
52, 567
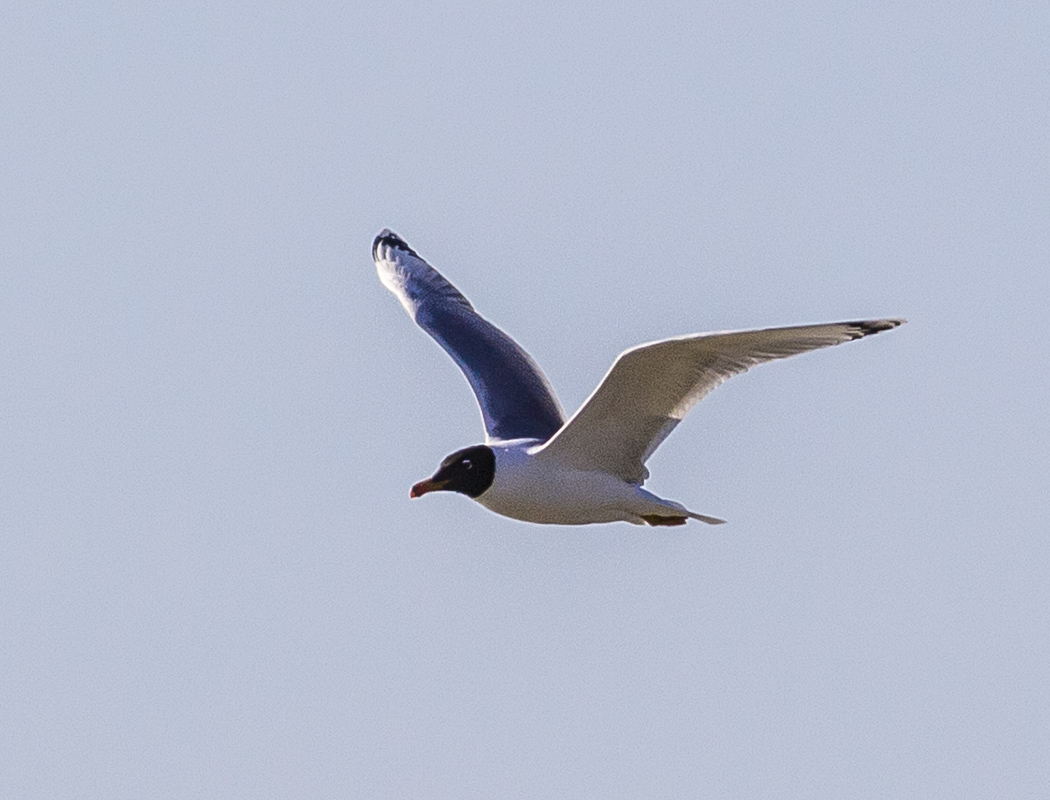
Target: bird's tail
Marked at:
707, 519
668, 512
678, 518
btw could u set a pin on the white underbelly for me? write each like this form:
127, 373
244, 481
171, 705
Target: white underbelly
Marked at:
535, 493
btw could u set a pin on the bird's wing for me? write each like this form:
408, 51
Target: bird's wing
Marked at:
650, 388
515, 398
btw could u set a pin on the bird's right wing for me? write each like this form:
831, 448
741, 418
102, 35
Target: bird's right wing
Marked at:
515, 398
650, 388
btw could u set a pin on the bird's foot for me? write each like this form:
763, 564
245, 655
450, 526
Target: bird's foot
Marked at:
659, 519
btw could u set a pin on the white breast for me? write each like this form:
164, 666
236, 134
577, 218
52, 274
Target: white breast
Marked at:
538, 491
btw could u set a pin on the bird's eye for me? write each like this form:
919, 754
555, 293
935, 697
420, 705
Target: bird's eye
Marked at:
467, 464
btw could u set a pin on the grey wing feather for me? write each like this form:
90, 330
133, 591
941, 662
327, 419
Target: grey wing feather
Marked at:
650, 388
515, 397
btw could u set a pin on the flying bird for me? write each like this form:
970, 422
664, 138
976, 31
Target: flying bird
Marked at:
536, 466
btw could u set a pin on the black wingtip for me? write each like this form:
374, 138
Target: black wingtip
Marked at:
867, 327
390, 239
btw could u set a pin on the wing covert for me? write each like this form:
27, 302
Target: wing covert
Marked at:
650, 388
515, 397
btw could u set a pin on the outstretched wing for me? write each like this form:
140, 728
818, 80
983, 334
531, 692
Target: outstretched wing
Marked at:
515, 398
650, 388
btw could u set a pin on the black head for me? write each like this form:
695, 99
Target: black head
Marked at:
468, 471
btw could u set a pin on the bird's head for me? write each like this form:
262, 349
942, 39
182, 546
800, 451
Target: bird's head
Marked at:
468, 471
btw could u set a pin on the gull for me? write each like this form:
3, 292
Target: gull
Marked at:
536, 466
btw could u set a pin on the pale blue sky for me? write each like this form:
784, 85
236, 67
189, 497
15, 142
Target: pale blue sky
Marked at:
213, 581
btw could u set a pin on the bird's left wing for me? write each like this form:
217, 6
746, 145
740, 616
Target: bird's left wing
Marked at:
650, 388
515, 397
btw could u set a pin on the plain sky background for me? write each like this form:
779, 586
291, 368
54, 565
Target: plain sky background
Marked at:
212, 581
